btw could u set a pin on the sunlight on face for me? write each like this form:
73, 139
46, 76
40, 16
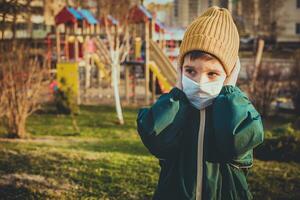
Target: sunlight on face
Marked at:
203, 70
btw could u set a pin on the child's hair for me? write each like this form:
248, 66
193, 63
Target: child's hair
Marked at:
195, 54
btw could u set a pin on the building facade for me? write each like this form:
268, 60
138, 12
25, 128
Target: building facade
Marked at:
289, 22
280, 20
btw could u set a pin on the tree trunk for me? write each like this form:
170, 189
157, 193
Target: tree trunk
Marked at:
115, 66
21, 128
16, 126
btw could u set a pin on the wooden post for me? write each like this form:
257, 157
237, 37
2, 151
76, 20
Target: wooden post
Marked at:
93, 29
89, 29
98, 29
257, 64
153, 87
79, 92
239, 8
127, 87
152, 27
133, 86
76, 45
163, 43
67, 44
161, 39
230, 6
147, 54
58, 43
83, 27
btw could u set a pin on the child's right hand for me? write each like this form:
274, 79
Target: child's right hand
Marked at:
179, 77
232, 78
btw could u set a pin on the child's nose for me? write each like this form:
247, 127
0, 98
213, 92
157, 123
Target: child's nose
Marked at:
202, 79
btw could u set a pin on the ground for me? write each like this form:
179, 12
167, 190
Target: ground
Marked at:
104, 161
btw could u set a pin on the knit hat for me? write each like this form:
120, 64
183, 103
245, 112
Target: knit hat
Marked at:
213, 32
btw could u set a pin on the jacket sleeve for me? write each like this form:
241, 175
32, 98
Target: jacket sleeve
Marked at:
160, 126
237, 125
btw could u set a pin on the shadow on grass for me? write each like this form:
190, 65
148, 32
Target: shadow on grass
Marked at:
23, 162
13, 192
133, 147
109, 175
70, 134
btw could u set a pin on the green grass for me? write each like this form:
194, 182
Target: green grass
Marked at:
104, 161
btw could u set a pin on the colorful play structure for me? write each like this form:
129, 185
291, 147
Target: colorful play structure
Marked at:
79, 46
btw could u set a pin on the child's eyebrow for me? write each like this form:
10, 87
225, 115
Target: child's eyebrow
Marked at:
211, 68
188, 66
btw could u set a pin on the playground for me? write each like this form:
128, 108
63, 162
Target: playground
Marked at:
83, 53
82, 142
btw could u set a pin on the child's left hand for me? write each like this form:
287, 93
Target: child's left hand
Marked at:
232, 78
179, 77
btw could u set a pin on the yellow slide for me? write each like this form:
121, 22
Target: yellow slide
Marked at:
162, 67
163, 82
105, 74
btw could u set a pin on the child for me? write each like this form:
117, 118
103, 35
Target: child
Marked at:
204, 130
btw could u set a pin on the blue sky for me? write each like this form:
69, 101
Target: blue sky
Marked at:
156, 1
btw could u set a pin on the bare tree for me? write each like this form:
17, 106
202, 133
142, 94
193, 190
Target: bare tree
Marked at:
268, 85
3, 94
261, 16
264, 81
271, 80
295, 82
117, 8
118, 49
22, 79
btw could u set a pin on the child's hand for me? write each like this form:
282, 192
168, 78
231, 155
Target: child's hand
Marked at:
232, 78
179, 77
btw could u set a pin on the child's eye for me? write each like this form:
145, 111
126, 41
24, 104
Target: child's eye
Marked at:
190, 71
212, 74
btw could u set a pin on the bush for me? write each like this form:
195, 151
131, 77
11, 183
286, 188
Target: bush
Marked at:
268, 134
282, 144
65, 102
285, 130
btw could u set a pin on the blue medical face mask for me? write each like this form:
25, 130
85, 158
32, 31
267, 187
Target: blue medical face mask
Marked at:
201, 95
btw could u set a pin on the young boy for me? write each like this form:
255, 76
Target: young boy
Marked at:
204, 130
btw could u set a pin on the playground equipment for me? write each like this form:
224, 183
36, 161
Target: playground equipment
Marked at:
165, 67
156, 62
67, 74
78, 44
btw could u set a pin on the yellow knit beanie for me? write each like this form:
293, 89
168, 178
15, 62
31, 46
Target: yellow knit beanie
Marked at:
213, 32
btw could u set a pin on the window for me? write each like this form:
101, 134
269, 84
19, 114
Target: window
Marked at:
38, 26
298, 3
176, 8
37, 10
21, 26
298, 28
224, 3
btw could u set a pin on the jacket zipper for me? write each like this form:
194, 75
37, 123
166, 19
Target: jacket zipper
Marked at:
200, 155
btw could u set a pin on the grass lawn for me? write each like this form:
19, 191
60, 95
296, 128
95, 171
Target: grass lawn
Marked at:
104, 161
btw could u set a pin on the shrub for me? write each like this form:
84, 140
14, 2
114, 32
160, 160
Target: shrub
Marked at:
283, 144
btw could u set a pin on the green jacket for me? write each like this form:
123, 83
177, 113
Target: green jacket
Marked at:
211, 166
